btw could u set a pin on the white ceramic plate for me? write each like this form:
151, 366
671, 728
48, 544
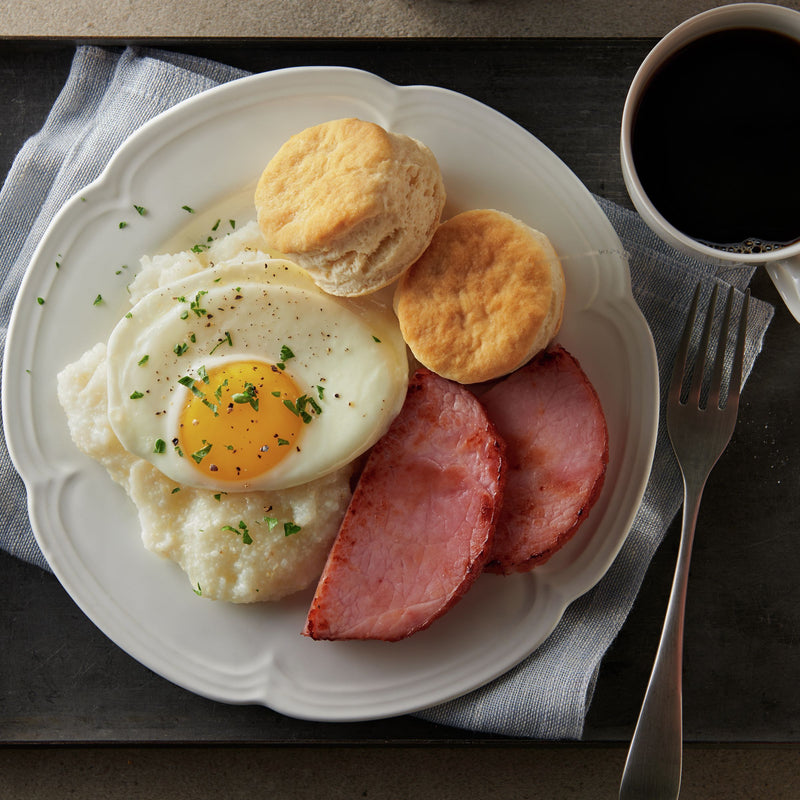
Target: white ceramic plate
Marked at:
207, 153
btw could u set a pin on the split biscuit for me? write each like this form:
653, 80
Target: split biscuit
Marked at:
483, 299
351, 203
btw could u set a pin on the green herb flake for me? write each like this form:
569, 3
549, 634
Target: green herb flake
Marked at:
216, 225
241, 531
180, 349
198, 591
376, 339
40, 300
195, 304
123, 224
136, 395
188, 209
200, 454
140, 210
282, 442
289, 528
209, 405
247, 395
271, 522
175, 490
286, 353
160, 446
222, 341
143, 360
98, 300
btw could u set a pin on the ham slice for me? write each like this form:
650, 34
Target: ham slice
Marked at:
420, 523
556, 440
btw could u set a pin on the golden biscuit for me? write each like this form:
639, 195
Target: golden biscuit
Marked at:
483, 299
353, 204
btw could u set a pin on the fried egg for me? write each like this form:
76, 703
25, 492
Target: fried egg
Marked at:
247, 377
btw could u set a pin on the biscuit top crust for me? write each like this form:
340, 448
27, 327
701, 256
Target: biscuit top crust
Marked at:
322, 183
484, 298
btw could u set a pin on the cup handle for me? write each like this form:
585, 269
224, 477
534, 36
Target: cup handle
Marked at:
785, 275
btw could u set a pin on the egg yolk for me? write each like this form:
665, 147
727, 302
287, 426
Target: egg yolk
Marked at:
236, 425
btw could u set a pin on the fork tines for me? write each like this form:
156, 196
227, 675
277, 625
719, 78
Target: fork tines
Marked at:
715, 395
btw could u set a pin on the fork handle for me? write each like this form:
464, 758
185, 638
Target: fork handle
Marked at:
653, 767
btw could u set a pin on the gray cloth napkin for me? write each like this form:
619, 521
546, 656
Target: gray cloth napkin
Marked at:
107, 96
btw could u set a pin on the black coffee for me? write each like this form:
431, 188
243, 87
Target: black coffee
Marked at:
716, 140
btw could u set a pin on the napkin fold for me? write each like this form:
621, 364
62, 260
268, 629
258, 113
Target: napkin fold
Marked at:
109, 94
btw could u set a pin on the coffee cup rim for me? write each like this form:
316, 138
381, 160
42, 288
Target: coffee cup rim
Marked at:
715, 19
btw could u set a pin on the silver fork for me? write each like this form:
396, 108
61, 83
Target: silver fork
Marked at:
699, 435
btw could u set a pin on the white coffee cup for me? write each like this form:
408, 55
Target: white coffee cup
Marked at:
782, 263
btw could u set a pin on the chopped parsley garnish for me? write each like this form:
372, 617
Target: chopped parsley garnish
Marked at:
195, 304
180, 349
271, 522
40, 300
160, 446
200, 454
175, 490
241, 531
189, 382
282, 442
286, 354
198, 591
199, 248
136, 395
376, 339
140, 210
203, 373
188, 208
247, 395
290, 528
321, 392
143, 360
123, 224
216, 225
299, 408
98, 300
222, 341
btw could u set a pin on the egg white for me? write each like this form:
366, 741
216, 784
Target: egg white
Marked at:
250, 311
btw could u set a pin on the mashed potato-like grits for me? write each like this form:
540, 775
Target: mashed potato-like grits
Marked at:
243, 547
